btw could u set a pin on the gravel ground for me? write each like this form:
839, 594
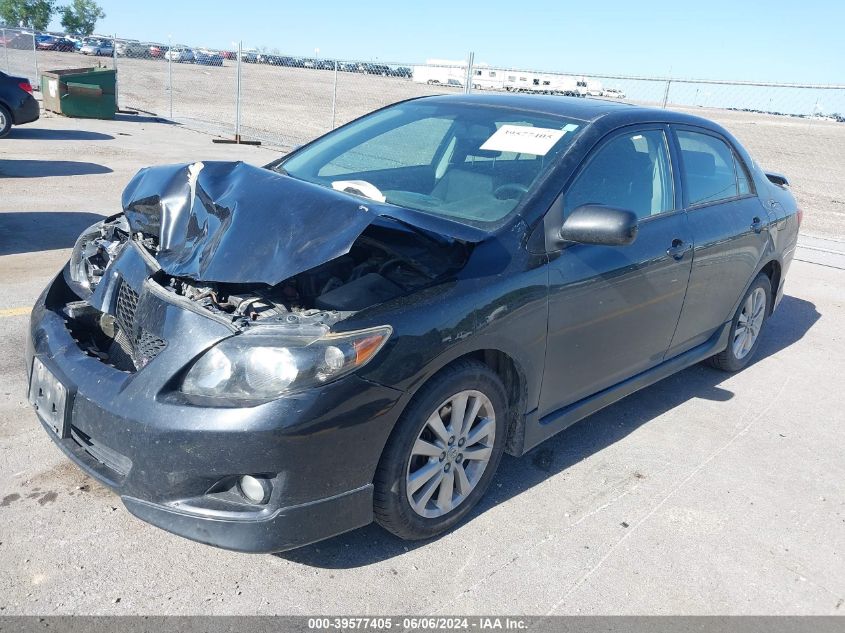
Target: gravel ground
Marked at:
289, 106
707, 493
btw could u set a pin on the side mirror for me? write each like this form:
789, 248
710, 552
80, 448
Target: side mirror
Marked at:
598, 224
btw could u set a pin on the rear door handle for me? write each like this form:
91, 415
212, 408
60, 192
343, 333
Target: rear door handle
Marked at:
678, 249
757, 225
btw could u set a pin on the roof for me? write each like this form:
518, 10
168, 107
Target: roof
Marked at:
578, 108
570, 107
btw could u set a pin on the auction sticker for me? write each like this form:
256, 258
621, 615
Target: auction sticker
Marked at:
523, 139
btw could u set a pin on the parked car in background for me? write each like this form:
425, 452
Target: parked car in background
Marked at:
23, 40
271, 59
55, 43
97, 47
406, 324
377, 69
250, 56
613, 93
207, 57
17, 105
44, 42
181, 54
157, 51
133, 49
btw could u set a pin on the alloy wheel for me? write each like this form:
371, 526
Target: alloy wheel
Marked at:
749, 323
451, 454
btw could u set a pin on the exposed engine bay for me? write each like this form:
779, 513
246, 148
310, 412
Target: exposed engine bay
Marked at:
384, 263
249, 247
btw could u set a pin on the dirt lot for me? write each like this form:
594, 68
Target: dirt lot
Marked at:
289, 106
707, 493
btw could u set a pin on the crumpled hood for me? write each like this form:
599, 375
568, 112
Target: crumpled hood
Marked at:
232, 222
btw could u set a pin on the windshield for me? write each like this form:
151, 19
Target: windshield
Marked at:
470, 163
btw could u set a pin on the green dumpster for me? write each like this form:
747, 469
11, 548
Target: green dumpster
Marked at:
80, 92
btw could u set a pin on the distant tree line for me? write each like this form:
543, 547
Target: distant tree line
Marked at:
77, 18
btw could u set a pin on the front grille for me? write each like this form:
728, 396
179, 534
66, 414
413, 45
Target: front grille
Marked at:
127, 303
132, 342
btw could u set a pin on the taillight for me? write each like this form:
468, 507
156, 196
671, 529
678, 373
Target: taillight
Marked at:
800, 215
25, 86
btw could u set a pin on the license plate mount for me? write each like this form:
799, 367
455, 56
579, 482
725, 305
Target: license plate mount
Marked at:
50, 397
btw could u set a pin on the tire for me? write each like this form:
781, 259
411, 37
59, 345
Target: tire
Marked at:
5, 121
392, 506
736, 356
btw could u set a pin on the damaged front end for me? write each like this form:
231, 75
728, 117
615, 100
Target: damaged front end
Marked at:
211, 333
257, 253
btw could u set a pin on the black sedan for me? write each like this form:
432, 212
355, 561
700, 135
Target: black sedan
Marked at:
17, 105
259, 358
53, 43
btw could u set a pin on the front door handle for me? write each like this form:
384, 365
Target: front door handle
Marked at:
757, 225
678, 249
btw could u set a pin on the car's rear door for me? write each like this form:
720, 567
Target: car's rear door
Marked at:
729, 225
613, 309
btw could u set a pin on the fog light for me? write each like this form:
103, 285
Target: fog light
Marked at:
254, 489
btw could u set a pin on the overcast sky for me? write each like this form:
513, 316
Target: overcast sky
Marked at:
741, 39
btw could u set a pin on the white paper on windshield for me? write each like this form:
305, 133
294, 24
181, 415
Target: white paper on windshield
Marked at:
523, 139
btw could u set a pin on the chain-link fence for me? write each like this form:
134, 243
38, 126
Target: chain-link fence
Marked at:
286, 100
17, 55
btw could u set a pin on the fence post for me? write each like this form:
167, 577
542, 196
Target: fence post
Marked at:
114, 65
170, 71
36, 83
666, 93
470, 60
238, 94
334, 95
6, 48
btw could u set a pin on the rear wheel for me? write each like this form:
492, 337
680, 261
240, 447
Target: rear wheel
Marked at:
746, 327
5, 120
443, 453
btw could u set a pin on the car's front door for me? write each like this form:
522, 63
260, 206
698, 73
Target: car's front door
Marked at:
729, 225
613, 309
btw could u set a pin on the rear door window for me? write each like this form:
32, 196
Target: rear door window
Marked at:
708, 167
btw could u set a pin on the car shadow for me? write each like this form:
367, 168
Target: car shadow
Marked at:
44, 134
27, 168
373, 544
36, 231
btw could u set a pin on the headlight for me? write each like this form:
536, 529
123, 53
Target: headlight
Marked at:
95, 248
260, 367
83, 249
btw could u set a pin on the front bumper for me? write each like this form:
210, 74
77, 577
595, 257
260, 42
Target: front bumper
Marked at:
175, 464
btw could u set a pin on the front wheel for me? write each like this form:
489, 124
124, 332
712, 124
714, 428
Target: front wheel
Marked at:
746, 327
443, 453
